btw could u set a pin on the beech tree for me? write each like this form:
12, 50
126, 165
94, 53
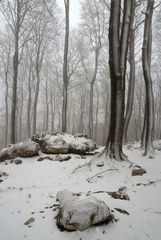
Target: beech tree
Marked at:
15, 13
146, 63
118, 47
65, 68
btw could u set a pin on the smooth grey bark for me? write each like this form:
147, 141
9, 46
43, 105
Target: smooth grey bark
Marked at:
39, 60
6, 63
146, 63
81, 118
97, 111
97, 50
20, 115
15, 76
118, 46
47, 105
65, 69
130, 97
29, 103
52, 111
105, 127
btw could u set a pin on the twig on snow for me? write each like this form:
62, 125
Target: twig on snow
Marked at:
98, 174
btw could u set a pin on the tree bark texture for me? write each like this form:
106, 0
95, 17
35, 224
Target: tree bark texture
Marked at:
130, 97
65, 69
118, 46
15, 77
146, 63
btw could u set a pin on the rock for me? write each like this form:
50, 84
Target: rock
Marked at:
100, 164
119, 195
23, 149
62, 159
76, 213
138, 171
45, 158
54, 145
3, 174
29, 221
18, 161
152, 156
82, 146
64, 143
39, 138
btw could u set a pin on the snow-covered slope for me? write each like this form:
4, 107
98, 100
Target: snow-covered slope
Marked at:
30, 192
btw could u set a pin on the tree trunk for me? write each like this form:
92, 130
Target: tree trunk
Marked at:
130, 98
91, 93
65, 69
14, 89
146, 62
6, 96
47, 106
29, 105
118, 46
35, 102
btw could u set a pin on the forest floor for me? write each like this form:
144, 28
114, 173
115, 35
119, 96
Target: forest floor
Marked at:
29, 191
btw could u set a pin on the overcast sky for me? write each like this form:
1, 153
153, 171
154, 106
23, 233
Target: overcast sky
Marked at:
74, 11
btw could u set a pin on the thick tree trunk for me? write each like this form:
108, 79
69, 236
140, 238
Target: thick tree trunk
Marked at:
146, 62
15, 76
14, 92
118, 46
130, 98
65, 69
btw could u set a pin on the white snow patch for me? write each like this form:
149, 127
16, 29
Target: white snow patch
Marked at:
31, 187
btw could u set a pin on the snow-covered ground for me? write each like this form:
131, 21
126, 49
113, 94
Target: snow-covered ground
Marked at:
31, 187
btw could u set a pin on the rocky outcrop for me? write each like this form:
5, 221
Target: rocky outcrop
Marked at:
82, 146
76, 213
55, 145
23, 149
66, 143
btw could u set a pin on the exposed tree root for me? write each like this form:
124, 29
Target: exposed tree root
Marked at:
149, 183
100, 173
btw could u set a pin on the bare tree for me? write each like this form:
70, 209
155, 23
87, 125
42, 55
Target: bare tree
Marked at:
6, 58
93, 25
15, 13
65, 68
146, 62
130, 98
118, 46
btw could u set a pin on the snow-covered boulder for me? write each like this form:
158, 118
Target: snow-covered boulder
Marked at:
23, 149
76, 213
138, 171
67, 143
82, 145
55, 145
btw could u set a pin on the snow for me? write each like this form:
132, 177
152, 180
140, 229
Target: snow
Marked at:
64, 143
77, 214
31, 187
